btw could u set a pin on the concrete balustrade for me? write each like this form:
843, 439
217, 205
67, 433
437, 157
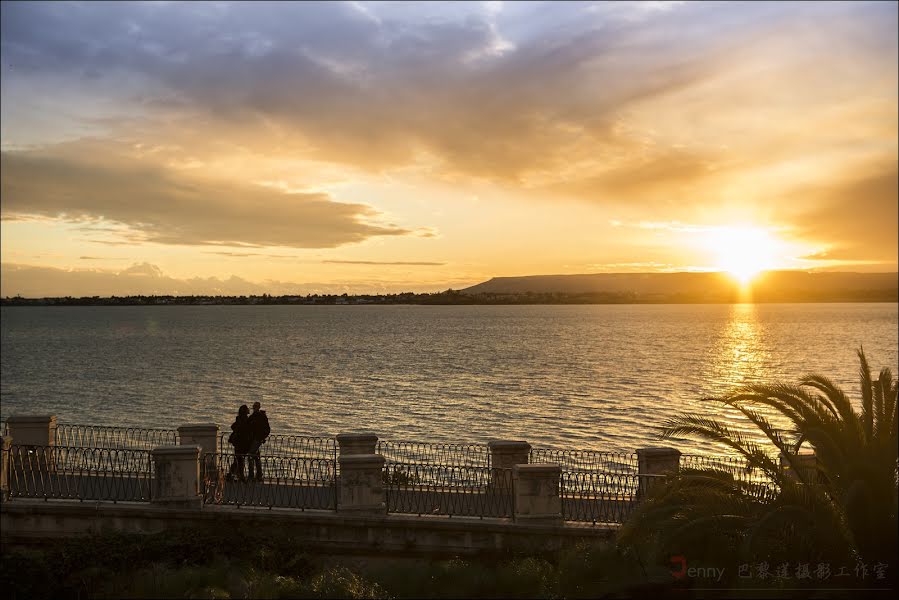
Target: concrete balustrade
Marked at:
361, 488
32, 430
357, 443
177, 481
505, 454
537, 496
206, 436
4, 468
655, 461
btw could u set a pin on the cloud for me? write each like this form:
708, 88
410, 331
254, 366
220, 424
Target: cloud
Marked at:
857, 215
677, 111
567, 98
654, 176
93, 180
378, 262
143, 270
247, 254
147, 279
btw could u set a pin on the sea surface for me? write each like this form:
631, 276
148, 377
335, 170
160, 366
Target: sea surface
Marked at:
601, 377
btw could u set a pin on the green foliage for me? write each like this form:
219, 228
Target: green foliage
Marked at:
585, 571
593, 571
273, 565
186, 560
399, 477
28, 573
340, 582
164, 581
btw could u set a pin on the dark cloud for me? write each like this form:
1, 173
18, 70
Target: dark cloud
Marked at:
92, 181
339, 83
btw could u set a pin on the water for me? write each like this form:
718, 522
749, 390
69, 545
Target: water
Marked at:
586, 377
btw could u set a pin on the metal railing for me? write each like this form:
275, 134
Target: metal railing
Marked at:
297, 446
80, 473
587, 460
425, 453
449, 490
104, 436
286, 482
602, 497
735, 465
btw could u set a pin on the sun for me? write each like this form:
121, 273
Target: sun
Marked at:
743, 251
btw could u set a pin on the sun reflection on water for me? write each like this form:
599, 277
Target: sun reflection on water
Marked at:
740, 351
742, 356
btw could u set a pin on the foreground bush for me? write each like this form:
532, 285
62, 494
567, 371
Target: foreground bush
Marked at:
207, 564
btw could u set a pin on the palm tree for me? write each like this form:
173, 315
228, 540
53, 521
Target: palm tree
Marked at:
845, 506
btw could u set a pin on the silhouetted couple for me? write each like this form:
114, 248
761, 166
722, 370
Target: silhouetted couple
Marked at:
248, 433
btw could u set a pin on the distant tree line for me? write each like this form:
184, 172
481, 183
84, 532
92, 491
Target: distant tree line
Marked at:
454, 297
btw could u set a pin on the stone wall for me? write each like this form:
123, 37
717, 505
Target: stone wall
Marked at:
26, 521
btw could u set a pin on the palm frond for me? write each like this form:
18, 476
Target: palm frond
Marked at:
867, 393
882, 389
841, 402
849, 503
792, 400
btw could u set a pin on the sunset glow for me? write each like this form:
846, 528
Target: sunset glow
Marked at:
307, 147
744, 252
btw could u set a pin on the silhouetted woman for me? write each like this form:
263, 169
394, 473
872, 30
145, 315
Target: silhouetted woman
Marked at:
240, 438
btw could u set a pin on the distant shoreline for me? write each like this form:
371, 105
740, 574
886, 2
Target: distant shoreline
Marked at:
453, 298
598, 288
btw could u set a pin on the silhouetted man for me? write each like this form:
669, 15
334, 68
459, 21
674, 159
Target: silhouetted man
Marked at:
259, 429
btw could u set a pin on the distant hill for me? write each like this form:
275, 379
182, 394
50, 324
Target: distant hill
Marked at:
773, 286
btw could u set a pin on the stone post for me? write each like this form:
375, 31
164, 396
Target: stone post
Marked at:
537, 493
655, 461
177, 480
806, 462
362, 484
4, 468
357, 443
505, 454
206, 436
34, 430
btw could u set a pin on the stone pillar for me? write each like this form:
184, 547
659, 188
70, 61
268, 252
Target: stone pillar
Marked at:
4, 468
206, 436
362, 484
505, 454
537, 496
655, 461
357, 443
177, 480
32, 430
807, 462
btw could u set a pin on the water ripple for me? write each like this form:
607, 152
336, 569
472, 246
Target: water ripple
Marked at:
590, 377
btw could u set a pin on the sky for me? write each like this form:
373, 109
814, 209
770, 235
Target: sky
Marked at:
369, 147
